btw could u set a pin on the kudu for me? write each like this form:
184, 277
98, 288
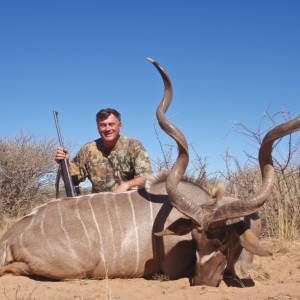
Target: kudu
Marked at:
110, 235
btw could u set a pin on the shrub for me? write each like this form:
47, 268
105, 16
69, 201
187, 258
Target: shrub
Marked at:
27, 173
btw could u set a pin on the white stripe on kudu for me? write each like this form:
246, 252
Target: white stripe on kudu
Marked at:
77, 212
137, 258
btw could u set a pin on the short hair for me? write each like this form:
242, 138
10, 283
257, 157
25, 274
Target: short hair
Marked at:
106, 112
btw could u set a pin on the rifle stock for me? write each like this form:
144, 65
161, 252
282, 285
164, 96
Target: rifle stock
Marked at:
69, 188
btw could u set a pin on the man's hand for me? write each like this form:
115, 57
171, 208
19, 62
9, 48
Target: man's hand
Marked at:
61, 153
128, 185
123, 187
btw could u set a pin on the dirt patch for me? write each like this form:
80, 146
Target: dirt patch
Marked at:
277, 278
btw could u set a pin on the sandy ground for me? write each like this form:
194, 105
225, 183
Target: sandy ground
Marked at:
277, 278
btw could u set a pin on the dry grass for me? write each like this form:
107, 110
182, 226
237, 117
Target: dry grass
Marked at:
160, 277
280, 214
21, 294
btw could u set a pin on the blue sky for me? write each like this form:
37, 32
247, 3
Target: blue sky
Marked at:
229, 61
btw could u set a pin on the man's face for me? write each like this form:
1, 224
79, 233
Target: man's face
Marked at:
109, 130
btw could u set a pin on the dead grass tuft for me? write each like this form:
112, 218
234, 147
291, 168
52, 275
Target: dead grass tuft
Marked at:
160, 277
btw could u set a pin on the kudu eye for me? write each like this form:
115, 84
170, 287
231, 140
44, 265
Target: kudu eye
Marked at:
216, 234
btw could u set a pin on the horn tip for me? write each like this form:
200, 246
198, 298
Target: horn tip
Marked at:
151, 60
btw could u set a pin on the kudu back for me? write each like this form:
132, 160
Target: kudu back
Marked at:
172, 225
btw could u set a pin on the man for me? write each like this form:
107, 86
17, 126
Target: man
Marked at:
113, 163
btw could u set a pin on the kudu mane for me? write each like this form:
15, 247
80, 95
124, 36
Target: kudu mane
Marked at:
162, 176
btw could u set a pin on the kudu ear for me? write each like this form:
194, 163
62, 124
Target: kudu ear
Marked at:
249, 240
181, 226
251, 243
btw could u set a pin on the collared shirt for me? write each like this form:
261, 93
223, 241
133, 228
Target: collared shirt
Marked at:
108, 168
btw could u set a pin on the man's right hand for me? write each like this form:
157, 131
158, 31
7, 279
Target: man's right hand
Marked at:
61, 153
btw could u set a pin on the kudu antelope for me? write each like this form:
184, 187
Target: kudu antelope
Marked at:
123, 234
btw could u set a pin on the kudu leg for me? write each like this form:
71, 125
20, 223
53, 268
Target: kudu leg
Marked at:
16, 268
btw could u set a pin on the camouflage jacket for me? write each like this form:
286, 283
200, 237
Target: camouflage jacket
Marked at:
108, 168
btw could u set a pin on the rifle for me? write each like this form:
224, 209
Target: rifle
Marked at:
71, 190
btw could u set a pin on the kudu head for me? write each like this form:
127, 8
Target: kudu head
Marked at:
215, 221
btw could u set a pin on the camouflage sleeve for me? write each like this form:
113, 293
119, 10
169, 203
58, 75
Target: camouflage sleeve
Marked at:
77, 165
142, 162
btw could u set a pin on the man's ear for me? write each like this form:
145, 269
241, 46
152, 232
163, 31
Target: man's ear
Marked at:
181, 226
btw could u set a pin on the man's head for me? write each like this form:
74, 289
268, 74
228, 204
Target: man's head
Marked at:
109, 126
104, 114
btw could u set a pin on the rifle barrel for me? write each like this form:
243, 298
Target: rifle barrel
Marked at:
64, 164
